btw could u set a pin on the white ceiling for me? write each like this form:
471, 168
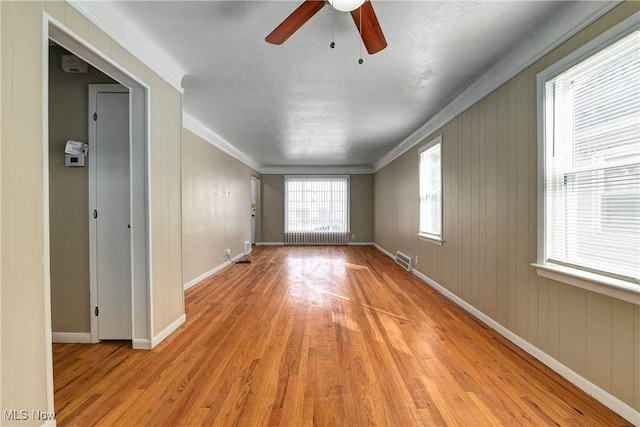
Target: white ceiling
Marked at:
304, 104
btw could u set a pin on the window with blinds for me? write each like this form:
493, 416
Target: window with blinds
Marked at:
430, 170
316, 203
592, 163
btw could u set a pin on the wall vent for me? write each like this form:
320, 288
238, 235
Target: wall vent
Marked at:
404, 261
246, 247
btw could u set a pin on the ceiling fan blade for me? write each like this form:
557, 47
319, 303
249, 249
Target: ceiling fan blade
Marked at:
297, 19
372, 36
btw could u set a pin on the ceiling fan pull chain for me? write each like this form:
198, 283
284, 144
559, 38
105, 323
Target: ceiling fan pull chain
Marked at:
360, 61
333, 13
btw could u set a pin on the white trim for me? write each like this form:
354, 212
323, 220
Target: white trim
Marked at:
503, 71
72, 337
428, 238
384, 251
269, 243
46, 248
141, 344
316, 170
193, 125
166, 70
50, 423
604, 285
149, 216
168, 330
361, 244
616, 405
191, 283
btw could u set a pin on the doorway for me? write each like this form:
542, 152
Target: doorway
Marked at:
137, 316
255, 210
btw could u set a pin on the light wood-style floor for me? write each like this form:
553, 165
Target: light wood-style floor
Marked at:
318, 336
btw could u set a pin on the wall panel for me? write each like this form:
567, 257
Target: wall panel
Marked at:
25, 382
213, 221
490, 194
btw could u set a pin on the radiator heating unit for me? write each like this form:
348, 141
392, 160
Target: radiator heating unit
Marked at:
316, 238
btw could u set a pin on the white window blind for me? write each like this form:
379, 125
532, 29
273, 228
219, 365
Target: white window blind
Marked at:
592, 164
430, 160
316, 203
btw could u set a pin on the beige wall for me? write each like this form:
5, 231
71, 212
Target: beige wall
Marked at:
489, 162
212, 221
22, 294
272, 218
361, 197
361, 194
69, 196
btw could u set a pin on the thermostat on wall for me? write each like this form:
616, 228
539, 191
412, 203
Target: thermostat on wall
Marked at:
74, 153
70, 160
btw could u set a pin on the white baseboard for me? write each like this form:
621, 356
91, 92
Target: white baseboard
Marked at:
141, 344
360, 243
71, 337
50, 423
168, 330
384, 251
191, 283
607, 399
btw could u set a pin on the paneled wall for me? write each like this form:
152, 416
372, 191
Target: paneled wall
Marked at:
361, 210
213, 220
24, 286
490, 232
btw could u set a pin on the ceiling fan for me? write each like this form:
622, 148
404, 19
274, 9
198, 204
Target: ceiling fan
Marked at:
361, 11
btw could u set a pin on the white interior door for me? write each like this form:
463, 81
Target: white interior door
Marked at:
253, 210
111, 216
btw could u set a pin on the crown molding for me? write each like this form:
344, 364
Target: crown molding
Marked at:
503, 71
166, 69
193, 125
316, 170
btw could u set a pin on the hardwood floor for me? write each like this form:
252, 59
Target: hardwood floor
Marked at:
317, 335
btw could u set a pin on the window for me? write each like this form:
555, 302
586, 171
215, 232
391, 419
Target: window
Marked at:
430, 167
591, 158
316, 203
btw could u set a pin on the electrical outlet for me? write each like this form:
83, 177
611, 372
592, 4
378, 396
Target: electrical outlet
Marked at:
227, 252
353, 235
416, 259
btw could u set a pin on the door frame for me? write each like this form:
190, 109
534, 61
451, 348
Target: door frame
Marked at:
94, 89
139, 125
257, 183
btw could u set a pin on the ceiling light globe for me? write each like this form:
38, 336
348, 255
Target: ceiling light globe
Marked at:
346, 5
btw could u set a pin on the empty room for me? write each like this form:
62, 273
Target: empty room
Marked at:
344, 212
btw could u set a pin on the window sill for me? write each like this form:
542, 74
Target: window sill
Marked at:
430, 239
614, 288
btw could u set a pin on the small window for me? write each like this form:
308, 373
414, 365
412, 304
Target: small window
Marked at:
430, 167
592, 162
316, 203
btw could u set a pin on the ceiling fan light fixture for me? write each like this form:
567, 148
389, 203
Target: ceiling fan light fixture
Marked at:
346, 5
